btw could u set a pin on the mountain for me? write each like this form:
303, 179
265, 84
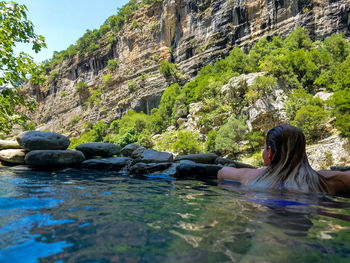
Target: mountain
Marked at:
120, 65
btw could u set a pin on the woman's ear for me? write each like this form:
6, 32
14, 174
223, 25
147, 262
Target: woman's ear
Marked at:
270, 153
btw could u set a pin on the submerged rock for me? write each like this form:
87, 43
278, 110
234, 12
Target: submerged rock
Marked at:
111, 164
208, 158
13, 156
8, 144
54, 158
232, 163
190, 169
37, 140
99, 149
153, 156
147, 168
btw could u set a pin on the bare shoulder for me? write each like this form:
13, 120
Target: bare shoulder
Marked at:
243, 175
338, 182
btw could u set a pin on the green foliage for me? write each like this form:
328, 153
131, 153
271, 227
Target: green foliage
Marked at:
262, 86
29, 126
15, 69
135, 24
75, 120
341, 110
113, 64
96, 133
95, 97
81, 86
107, 80
209, 146
132, 85
169, 70
230, 136
186, 143
310, 119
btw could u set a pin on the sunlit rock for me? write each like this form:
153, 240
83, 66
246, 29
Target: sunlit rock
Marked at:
13, 156
8, 144
208, 158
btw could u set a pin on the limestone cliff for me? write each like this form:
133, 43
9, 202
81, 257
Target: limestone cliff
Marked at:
186, 32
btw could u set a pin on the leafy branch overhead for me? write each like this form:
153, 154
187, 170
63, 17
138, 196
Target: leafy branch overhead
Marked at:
15, 70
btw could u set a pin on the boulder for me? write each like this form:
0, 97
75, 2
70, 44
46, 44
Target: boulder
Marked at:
138, 153
37, 140
152, 156
111, 164
54, 158
99, 149
129, 149
147, 168
7, 144
232, 163
171, 171
13, 156
208, 158
190, 169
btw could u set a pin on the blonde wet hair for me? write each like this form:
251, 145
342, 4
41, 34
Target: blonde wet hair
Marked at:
289, 167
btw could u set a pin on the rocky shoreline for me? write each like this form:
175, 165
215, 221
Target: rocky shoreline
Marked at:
48, 151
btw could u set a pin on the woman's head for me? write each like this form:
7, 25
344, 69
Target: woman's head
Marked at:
284, 143
286, 161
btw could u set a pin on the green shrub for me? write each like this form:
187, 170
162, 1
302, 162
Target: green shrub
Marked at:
168, 70
340, 102
75, 120
186, 143
132, 85
95, 97
311, 119
230, 136
210, 142
112, 64
107, 80
81, 86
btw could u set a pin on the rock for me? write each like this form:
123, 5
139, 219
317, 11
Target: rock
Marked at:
138, 153
181, 121
340, 168
7, 144
190, 169
232, 163
147, 168
323, 95
208, 158
54, 158
99, 149
37, 140
235, 82
112, 164
13, 156
171, 171
269, 111
152, 156
331, 151
129, 149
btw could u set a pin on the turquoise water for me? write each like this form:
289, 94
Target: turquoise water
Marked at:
89, 216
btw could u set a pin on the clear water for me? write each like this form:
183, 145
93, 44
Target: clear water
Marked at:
89, 216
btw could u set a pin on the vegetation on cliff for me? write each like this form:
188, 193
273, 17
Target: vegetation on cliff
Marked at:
15, 69
303, 67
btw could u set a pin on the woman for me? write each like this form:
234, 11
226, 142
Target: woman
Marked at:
287, 166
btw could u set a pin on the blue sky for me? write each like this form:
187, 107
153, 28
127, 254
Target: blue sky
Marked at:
62, 22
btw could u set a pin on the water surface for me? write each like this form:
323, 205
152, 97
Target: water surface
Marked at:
89, 216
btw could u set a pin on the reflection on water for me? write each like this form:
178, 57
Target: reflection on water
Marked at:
87, 216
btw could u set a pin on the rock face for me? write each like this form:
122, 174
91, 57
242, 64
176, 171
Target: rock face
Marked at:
7, 144
37, 140
13, 156
99, 149
54, 158
152, 156
112, 164
331, 151
186, 32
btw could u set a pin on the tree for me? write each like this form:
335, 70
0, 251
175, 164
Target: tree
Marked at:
15, 70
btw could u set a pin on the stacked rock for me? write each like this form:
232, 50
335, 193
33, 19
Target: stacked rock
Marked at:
11, 153
48, 150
